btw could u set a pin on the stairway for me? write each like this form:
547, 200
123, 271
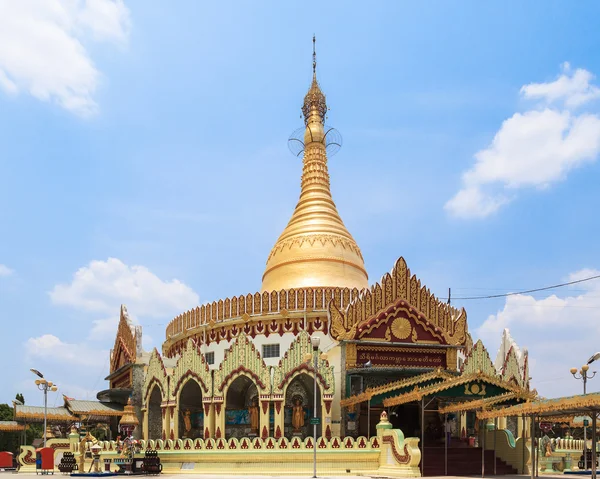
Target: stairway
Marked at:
463, 461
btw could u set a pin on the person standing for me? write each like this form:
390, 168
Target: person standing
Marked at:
448, 429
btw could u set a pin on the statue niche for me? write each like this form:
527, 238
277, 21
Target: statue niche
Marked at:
253, 412
242, 414
297, 414
191, 422
299, 400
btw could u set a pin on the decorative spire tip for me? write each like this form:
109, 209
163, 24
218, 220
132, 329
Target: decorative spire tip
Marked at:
314, 56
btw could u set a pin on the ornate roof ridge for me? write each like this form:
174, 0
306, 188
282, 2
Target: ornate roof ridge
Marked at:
418, 393
291, 299
126, 340
399, 285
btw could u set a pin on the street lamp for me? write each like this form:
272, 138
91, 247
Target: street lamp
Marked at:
44, 385
315, 345
584, 376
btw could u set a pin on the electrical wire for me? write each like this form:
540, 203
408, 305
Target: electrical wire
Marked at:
504, 295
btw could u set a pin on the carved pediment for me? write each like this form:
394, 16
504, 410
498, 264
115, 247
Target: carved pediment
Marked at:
373, 312
125, 349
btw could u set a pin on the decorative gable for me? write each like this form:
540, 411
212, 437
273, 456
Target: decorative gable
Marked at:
511, 369
125, 349
243, 357
156, 375
478, 361
398, 290
294, 362
192, 364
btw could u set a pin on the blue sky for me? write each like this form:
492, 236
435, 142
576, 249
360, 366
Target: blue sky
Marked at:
143, 160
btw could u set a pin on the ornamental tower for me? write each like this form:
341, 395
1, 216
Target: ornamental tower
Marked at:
315, 249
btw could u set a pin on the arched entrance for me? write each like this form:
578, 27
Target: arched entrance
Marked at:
155, 414
300, 394
191, 412
242, 396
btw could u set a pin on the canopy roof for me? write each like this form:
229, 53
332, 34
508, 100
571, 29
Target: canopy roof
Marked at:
57, 415
11, 426
509, 398
73, 411
568, 406
401, 385
93, 408
467, 386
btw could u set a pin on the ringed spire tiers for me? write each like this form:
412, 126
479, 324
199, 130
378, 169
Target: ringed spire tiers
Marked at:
315, 249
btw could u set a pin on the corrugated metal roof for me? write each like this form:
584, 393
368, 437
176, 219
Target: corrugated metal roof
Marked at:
37, 413
95, 408
10, 426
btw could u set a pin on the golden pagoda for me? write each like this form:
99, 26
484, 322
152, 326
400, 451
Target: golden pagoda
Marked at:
315, 249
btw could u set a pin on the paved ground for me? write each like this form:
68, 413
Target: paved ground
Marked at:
346, 476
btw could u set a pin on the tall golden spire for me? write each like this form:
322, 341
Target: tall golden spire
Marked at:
315, 249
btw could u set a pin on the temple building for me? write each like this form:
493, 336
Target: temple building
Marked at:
244, 366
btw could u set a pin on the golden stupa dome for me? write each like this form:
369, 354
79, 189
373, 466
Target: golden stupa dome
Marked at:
315, 249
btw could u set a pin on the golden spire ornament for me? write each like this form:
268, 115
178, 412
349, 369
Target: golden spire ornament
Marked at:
315, 249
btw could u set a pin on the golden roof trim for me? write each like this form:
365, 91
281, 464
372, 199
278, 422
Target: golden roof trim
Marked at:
11, 426
419, 393
334, 239
370, 392
547, 406
394, 288
40, 415
485, 403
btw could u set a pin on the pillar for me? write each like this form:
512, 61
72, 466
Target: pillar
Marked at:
263, 422
278, 426
502, 423
145, 424
164, 423
326, 405
172, 423
175, 420
209, 418
219, 408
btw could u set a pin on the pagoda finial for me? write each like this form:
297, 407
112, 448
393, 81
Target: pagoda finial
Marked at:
314, 57
314, 99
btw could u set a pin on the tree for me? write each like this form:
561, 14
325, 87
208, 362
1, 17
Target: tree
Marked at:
6, 412
9, 441
19, 397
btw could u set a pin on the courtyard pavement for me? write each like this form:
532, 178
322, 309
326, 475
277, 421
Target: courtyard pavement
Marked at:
305, 476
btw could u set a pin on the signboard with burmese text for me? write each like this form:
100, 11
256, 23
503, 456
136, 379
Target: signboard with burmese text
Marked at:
394, 357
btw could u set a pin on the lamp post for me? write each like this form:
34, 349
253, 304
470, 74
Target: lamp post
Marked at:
315, 341
584, 376
44, 385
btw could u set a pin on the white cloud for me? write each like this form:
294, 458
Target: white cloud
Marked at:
51, 349
470, 202
5, 270
42, 48
532, 149
560, 330
104, 328
575, 90
103, 286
